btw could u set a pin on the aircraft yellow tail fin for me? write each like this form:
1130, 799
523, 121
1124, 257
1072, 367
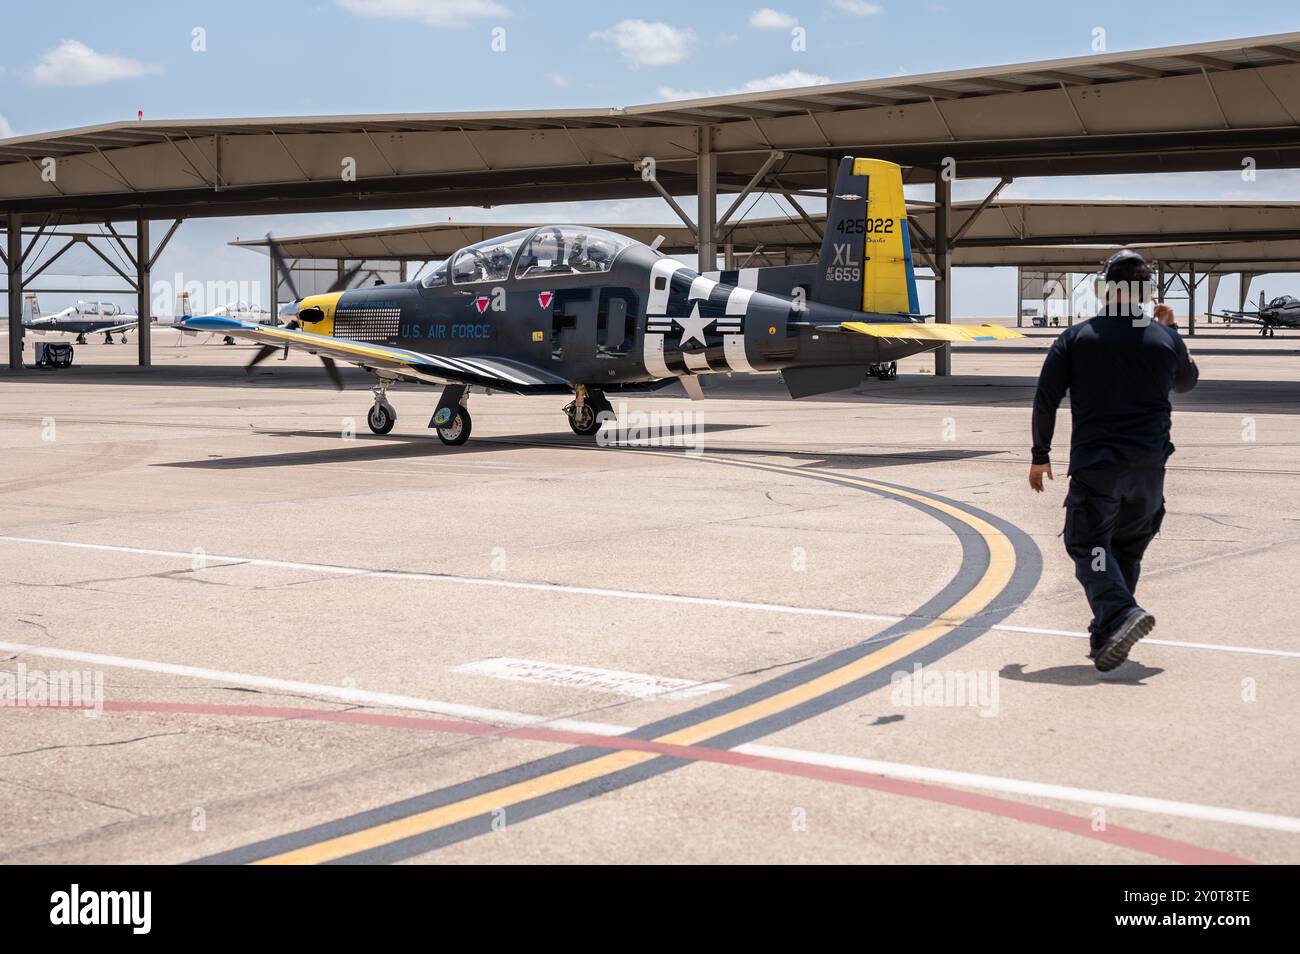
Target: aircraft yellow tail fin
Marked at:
866, 256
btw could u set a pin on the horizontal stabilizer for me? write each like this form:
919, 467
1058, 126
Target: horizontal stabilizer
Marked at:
919, 331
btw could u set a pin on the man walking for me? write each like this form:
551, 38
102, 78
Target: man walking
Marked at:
1119, 369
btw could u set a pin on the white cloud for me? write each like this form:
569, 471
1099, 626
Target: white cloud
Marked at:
648, 44
5, 129
72, 63
769, 19
790, 80
859, 8
435, 13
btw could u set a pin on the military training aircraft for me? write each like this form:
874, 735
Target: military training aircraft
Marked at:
1281, 312
81, 319
562, 309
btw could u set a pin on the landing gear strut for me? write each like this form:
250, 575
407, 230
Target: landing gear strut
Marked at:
382, 417
588, 410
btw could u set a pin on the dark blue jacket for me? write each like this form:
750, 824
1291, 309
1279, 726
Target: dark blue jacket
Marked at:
1119, 373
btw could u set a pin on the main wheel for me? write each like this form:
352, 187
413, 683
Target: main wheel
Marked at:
381, 418
457, 432
584, 420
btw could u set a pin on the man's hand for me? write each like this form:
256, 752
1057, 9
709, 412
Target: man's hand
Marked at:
1036, 472
1164, 314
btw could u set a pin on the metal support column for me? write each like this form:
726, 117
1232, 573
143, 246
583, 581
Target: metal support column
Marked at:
1243, 290
706, 216
832, 173
943, 268
14, 254
273, 298
143, 268
1191, 298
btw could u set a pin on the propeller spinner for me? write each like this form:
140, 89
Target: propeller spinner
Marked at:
310, 314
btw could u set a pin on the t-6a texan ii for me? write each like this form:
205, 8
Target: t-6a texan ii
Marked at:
563, 309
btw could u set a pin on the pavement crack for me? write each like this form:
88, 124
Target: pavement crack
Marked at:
80, 798
92, 745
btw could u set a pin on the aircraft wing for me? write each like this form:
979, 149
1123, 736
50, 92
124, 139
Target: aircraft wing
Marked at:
1250, 317
485, 371
920, 331
118, 328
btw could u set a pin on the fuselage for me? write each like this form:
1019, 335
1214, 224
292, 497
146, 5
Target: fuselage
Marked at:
642, 318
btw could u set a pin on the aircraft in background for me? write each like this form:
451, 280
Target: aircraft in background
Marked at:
1281, 312
238, 310
80, 319
563, 309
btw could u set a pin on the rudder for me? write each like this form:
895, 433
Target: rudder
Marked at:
866, 255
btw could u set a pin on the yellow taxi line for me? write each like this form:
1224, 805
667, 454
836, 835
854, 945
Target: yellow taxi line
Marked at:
996, 575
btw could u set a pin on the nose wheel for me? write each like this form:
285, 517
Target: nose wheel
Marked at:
382, 417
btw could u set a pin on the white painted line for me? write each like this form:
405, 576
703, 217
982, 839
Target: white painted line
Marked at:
1091, 797
1014, 786
341, 693
635, 684
1181, 644
215, 559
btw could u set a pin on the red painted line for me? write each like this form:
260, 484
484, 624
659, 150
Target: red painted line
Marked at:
1167, 848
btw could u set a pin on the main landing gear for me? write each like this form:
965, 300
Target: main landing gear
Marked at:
457, 432
887, 371
588, 410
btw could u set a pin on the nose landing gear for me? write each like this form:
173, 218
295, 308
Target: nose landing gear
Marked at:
382, 417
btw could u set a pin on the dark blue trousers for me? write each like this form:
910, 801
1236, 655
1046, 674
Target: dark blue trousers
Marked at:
1111, 514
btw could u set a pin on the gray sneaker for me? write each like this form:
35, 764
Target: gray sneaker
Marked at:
1116, 648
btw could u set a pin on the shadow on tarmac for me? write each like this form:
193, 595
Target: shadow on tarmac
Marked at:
372, 448
1129, 674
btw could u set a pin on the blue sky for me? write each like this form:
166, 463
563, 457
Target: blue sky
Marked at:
76, 63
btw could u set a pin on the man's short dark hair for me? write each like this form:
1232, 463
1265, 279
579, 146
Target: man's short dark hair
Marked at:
1126, 265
